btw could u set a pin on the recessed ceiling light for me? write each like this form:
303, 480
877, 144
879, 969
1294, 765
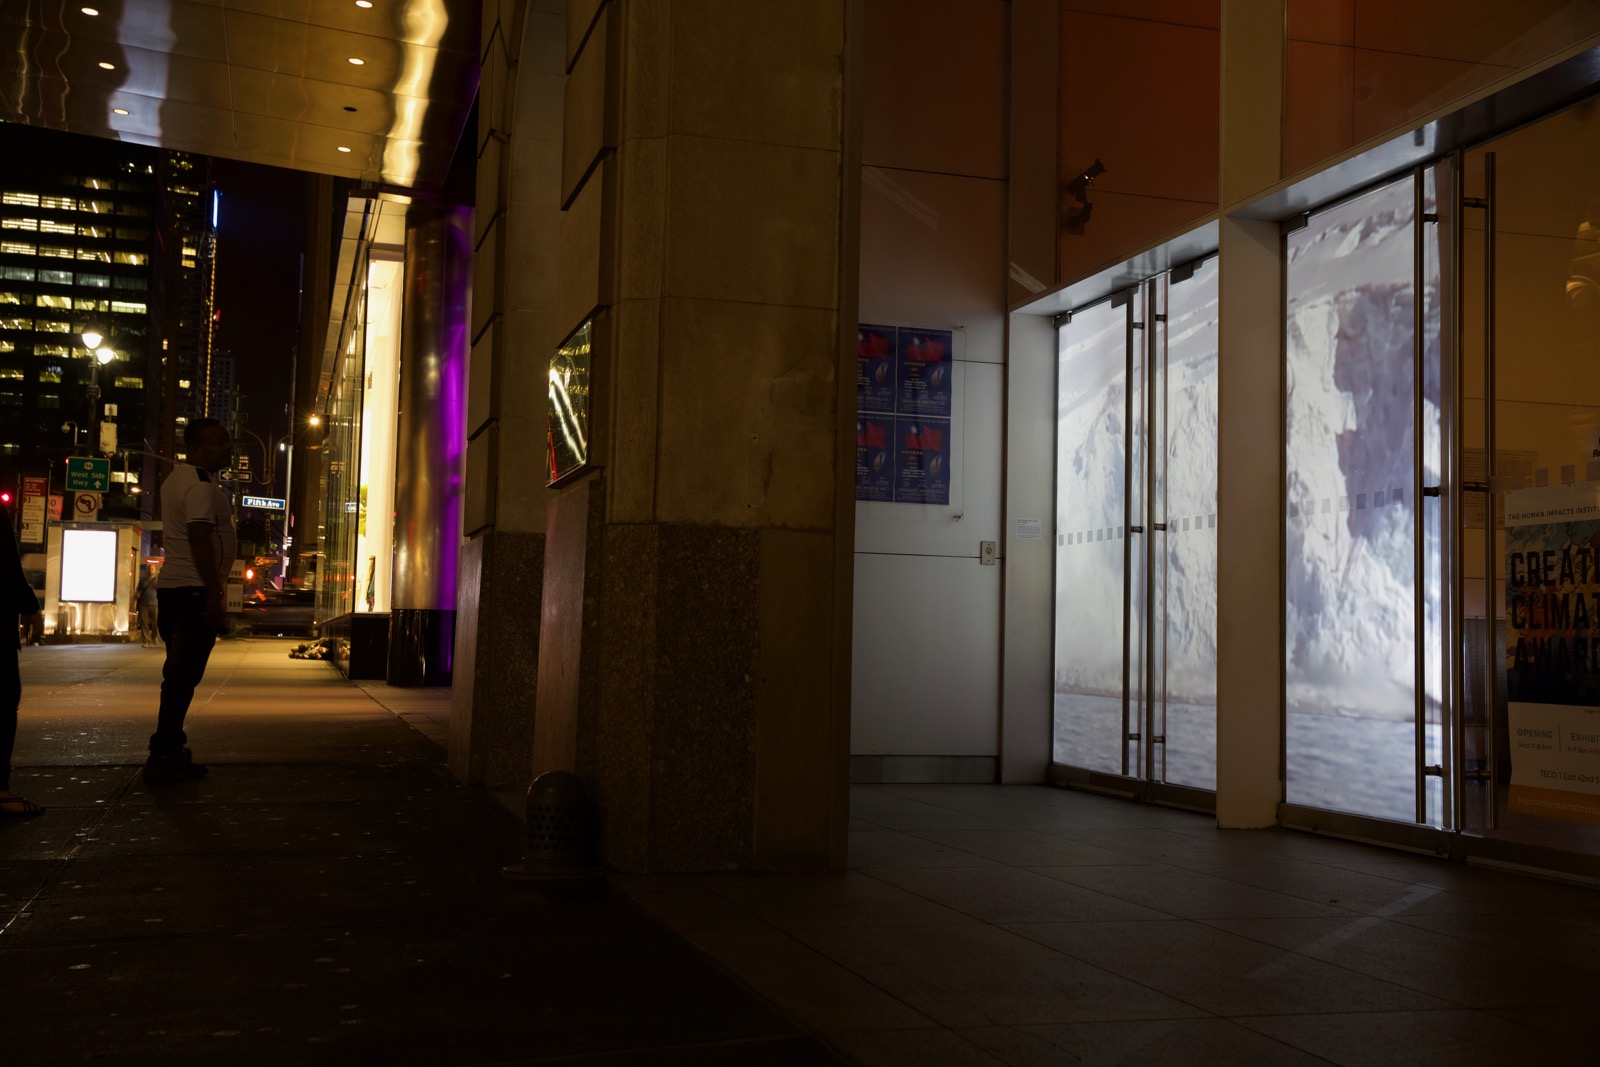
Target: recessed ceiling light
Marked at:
363, 3
342, 148
89, 11
357, 62
107, 66
119, 111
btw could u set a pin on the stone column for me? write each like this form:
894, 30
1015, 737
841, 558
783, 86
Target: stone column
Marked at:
695, 643
518, 215
427, 499
1250, 443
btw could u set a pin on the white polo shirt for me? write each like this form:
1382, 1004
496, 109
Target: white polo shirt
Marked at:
192, 495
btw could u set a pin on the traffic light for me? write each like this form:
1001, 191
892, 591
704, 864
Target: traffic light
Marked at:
5, 497
249, 574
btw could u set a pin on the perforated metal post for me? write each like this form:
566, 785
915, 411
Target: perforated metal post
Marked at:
559, 831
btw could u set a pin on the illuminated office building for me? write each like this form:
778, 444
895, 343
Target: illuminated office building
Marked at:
110, 238
188, 212
224, 391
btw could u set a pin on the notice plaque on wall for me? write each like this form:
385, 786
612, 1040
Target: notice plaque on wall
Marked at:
568, 421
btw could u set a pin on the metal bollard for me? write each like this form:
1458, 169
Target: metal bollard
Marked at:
558, 837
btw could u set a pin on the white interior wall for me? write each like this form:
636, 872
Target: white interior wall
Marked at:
933, 231
927, 612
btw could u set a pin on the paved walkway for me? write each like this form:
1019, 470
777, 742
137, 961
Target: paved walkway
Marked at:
1023, 925
326, 895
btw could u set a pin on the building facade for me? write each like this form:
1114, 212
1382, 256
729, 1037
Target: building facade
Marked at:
188, 269
1189, 401
109, 239
1220, 292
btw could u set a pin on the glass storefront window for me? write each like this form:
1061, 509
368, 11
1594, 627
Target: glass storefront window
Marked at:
1350, 571
1189, 505
1091, 462
341, 473
357, 544
1532, 631
568, 411
374, 550
1136, 546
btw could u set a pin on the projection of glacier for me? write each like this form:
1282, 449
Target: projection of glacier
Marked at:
1349, 564
1094, 452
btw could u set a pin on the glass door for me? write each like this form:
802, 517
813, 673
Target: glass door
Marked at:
1365, 720
1530, 560
1135, 663
1185, 620
1093, 409
1442, 549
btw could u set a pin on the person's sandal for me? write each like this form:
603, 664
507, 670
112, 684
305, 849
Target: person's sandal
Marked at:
20, 807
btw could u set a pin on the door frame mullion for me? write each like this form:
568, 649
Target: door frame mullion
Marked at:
1419, 579
1127, 522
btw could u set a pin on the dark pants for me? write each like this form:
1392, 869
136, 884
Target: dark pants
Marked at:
180, 617
10, 698
147, 620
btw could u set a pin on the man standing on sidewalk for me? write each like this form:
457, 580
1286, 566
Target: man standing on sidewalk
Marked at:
190, 593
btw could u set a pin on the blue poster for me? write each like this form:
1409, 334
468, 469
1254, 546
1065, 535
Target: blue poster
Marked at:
875, 358
922, 461
875, 463
925, 371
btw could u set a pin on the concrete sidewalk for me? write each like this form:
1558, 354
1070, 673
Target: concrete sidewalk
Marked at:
326, 895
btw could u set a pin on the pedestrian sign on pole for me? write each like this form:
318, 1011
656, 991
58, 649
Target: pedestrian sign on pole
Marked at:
86, 474
270, 503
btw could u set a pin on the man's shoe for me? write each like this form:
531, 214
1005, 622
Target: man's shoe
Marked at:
178, 766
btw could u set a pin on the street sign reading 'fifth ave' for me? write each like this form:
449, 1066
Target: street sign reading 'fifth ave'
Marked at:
86, 474
271, 503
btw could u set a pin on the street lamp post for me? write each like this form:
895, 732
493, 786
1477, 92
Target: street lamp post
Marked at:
103, 353
269, 463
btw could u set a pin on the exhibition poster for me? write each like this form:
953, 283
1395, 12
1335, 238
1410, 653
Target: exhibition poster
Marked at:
1553, 650
905, 391
922, 461
875, 379
875, 451
924, 369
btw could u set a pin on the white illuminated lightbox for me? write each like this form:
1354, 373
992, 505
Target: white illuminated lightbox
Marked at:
89, 566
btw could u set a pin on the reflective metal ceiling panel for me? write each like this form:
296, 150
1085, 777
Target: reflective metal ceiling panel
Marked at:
268, 81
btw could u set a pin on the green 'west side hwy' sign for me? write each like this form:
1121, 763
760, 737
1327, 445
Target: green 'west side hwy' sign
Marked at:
86, 474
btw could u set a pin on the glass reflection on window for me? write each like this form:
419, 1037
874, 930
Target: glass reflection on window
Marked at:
568, 424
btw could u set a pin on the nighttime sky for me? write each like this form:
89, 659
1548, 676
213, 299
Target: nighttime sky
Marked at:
260, 238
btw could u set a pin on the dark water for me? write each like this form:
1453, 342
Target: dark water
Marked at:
1087, 728
1363, 766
